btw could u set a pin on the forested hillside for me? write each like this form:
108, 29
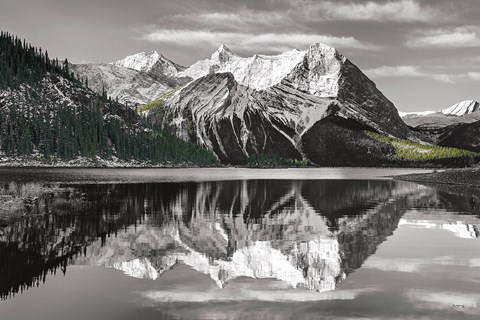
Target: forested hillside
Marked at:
47, 113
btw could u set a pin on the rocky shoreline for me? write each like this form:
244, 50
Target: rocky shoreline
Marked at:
465, 177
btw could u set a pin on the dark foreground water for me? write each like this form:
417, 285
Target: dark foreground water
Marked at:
204, 244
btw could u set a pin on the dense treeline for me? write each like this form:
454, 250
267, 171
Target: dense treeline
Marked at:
262, 160
66, 134
21, 62
55, 116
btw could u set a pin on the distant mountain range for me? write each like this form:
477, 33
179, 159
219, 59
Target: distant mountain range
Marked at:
462, 112
299, 107
455, 126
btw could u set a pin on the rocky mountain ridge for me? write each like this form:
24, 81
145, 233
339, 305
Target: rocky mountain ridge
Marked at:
135, 80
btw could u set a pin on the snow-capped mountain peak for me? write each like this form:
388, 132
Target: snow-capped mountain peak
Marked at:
462, 108
151, 61
142, 61
223, 54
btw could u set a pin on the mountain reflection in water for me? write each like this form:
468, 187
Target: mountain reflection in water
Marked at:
308, 234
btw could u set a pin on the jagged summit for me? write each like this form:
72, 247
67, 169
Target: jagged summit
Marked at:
264, 71
142, 61
258, 71
462, 108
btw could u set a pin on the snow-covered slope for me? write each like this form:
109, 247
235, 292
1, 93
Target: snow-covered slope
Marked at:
238, 106
137, 79
462, 108
258, 72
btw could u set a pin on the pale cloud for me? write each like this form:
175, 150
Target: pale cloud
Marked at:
459, 77
413, 265
448, 78
394, 71
445, 300
475, 262
460, 37
474, 76
416, 71
249, 41
193, 295
400, 11
244, 20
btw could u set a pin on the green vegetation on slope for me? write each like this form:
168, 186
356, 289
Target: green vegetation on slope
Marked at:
155, 103
406, 150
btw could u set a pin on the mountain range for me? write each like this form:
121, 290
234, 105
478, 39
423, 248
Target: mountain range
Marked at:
312, 105
299, 107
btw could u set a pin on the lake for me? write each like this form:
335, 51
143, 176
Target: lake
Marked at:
331, 243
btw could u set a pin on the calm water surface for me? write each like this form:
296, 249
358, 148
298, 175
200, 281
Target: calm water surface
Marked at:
236, 244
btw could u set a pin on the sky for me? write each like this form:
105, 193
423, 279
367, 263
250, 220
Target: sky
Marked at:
422, 54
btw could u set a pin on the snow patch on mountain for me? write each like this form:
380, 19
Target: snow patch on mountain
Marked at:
414, 114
